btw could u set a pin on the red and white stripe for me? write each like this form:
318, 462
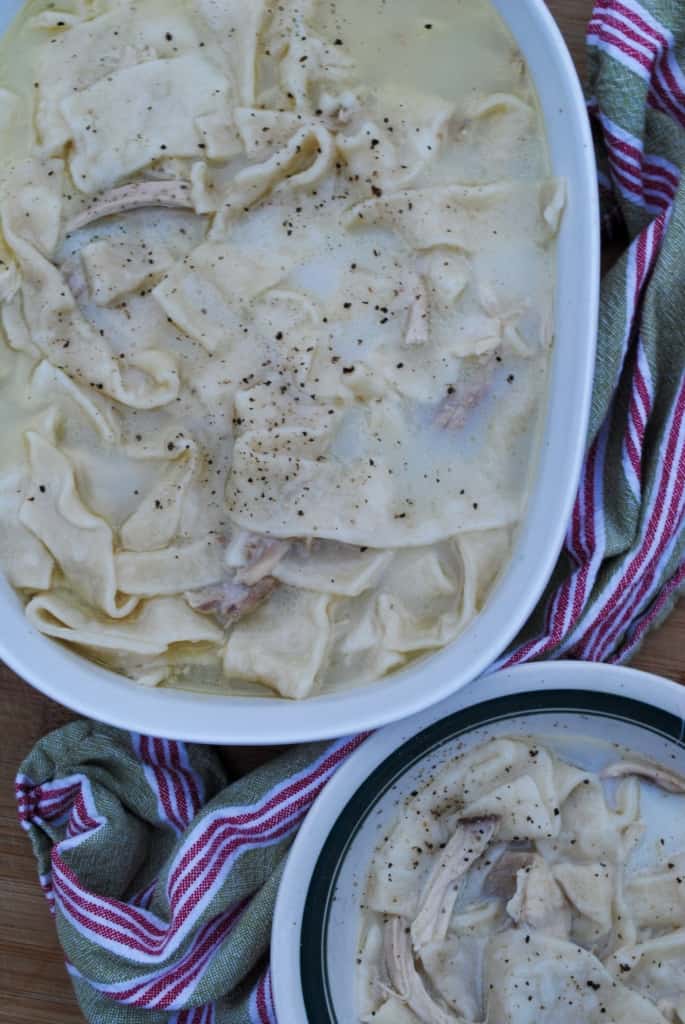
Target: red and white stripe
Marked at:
566, 619
171, 777
81, 821
639, 412
645, 179
200, 868
48, 802
603, 34
23, 788
261, 1007
641, 260
632, 582
626, 31
585, 545
172, 986
142, 937
662, 533
113, 925
209, 851
144, 897
642, 257
586, 542
643, 624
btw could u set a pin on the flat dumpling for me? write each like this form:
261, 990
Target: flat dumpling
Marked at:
35, 215
393, 1011
332, 568
495, 304
207, 292
164, 98
353, 493
493, 136
51, 387
283, 644
595, 830
307, 65
656, 898
419, 600
482, 555
236, 27
455, 966
24, 559
417, 605
301, 164
156, 520
357, 653
590, 890
80, 542
10, 105
94, 47
171, 570
143, 643
115, 269
654, 968
517, 783
370, 978
457, 216
533, 979
57, 327
395, 135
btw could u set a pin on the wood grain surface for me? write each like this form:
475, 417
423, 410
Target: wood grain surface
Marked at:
34, 987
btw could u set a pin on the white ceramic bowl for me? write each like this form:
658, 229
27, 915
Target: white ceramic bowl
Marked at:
579, 709
92, 691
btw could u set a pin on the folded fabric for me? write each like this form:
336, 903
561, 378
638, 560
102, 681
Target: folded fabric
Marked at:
163, 878
623, 563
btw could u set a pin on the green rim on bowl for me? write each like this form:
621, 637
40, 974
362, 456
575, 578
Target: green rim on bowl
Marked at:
315, 919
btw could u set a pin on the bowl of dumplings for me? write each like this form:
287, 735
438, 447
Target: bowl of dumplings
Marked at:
516, 855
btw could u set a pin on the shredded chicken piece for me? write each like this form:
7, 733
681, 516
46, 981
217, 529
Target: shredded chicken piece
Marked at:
136, 196
463, 397
405, 979
417, 332
230, 601
464, 848
661, 777
539, 901
255, 556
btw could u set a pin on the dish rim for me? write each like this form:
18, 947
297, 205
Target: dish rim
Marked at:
653, 692
88, 689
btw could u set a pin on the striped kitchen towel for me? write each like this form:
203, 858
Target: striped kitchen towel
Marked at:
623, 563
162, 877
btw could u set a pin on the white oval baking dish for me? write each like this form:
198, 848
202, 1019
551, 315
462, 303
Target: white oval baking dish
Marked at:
100, 694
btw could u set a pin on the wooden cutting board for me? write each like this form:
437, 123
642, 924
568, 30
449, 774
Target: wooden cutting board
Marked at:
34, 988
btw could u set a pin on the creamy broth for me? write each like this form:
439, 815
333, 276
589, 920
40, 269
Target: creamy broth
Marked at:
518, 888
277, 307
